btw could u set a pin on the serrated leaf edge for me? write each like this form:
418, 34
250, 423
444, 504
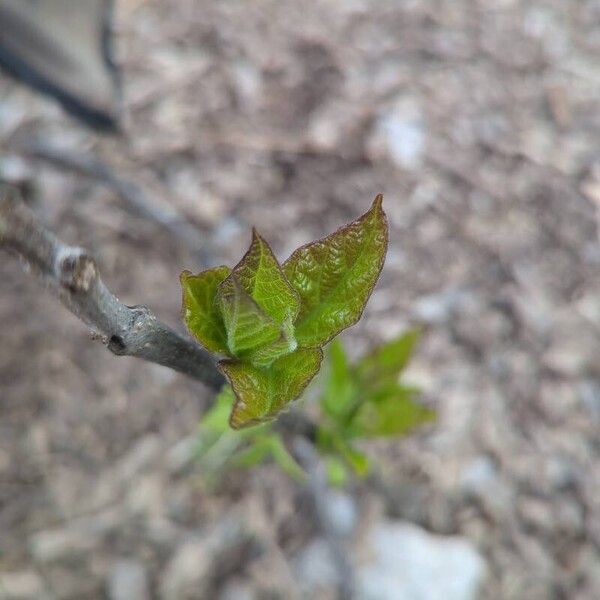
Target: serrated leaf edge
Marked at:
378, 204
257, 237
239, 401
183, 276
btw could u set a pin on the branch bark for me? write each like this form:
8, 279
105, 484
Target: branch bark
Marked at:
74, 276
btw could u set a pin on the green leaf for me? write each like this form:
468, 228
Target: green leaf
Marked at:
268, 445
331, 442
284, 344
263, 393
356, 459
218, 447
216, 443
337, 473
214, 430
386, 362
390, 411
340, 391
336, 275
248, 326
261, 276
199, 308
215, 418
258, 306
258, 450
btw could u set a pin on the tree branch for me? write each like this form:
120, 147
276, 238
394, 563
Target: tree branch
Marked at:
74, 276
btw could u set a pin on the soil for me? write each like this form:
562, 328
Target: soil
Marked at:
480, 123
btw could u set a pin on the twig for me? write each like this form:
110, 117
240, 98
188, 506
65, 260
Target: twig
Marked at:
73, 275
126, 330
317, 485
137, 201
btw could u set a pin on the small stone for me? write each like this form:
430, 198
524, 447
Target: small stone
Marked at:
478, 475
589, 395
400, 133
146, 495
569, 517
437, 308
163, 532
412, 564
536, 513
21, 585
180, 503
187, 572
143, 454
61, 544
228, 231
80, 537
237, 590
128, 580
14, 170
342, 513
588, 305
315, 567
181, 456
574, 347
248, 83
561, 473
569, 358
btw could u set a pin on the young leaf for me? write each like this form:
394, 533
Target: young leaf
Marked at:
391, 411
248, 326
268, 445
199, 308
336, 275
256, 452
340, 387
214, 424
216, 443
215, 418
337, 473
261, 276
262, 393
357, 460
385, 363
332, 442
264, 356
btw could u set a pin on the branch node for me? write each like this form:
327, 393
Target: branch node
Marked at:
73, 275
117, 345
76, 269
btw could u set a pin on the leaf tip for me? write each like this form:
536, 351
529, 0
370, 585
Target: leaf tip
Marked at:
184, 275
378, 202
236, 421
256, 237
236, 417
260, 241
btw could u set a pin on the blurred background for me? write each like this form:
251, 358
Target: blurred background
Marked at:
480, 122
